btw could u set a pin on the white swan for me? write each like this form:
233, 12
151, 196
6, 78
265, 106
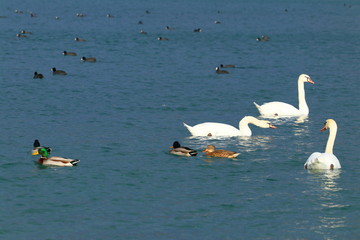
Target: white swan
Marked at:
326, 160
225, 130
274, 109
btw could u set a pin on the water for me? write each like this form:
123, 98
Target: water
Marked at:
121, 114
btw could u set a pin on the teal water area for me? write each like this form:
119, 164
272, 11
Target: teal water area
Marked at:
120, 115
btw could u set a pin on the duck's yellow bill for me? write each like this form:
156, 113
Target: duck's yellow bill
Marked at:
35, 152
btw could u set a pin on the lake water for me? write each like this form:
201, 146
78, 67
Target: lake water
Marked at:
120, 115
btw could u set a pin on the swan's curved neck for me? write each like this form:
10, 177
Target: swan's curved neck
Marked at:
331, 139
244, 125
303, 107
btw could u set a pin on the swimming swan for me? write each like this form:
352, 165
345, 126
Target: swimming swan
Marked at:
274, 109
326, 160
225, 130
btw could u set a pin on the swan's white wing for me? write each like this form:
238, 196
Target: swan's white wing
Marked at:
322, 161
213, 129
278, 109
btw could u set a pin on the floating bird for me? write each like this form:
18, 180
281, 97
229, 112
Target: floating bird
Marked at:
58, 72
212, 152
326, 160
25, 32
227, 66
54, 161
197, 30
263, 38
90, 59
21, 35
177, 149
281, 109
225, 130
79, 39
162, 38
143, 32
38, 75
220, 71
65, 53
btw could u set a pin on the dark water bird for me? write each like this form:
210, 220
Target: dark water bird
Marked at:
197, 30
38, 75
89, 59
212, 152
58, 72
263, 38
143, 32
162, 38
220, 71
177, 149
77, 39
21, 35
65, 53
227, 66
25, 32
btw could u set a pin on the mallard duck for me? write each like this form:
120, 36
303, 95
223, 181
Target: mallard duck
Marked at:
219, 71
58, 72
38, 75
37, 147
53, 161
212, 152
90, 59
177, 149
65, 53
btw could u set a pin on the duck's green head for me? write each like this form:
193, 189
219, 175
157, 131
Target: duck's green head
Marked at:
42, 151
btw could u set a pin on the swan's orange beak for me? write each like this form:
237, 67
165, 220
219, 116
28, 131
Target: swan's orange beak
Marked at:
311, 81
323, 129
272, 126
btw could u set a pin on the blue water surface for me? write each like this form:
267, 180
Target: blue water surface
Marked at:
120, 115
